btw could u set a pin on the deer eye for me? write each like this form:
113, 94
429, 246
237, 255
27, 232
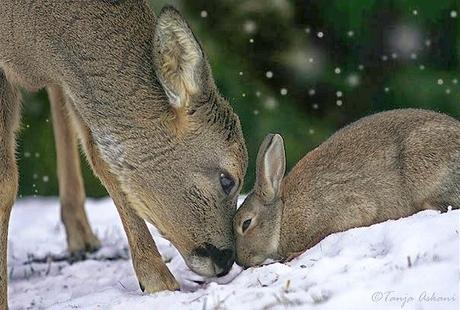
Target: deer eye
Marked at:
246, 225
227, 183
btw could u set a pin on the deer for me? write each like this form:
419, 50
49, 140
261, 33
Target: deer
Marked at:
382, 167
137, 92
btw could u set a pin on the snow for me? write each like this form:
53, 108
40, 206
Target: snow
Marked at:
410, 263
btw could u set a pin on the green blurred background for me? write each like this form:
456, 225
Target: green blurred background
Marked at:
299, 68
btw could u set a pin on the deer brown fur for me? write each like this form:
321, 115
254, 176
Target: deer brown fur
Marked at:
138, 92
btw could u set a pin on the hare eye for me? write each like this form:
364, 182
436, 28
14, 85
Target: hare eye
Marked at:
246, 225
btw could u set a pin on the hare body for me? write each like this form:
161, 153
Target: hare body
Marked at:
384, 166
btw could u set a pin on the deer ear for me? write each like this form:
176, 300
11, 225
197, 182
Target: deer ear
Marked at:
179, 59
270, 168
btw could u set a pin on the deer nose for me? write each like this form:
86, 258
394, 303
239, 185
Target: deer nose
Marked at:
224, 261
221, 258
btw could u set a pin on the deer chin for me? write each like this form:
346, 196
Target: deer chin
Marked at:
202, 266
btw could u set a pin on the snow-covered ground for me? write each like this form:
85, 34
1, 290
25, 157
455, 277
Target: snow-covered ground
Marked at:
411, 263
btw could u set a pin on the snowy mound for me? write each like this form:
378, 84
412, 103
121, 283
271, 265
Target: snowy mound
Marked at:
411, 263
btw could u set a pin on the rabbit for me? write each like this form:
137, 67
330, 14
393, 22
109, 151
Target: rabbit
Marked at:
384, 166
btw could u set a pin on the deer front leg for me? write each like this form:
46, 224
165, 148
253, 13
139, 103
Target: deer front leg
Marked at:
80, 237
9, 118
151, 271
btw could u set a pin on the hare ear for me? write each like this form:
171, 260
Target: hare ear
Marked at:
179, 60
271, 165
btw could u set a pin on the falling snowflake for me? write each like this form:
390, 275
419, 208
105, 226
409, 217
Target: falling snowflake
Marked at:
405, 39
311, 92
453, 14
283, 91
337, 70
250, 26
440, 81
305, 62
320, 34
269, 74
353, 80
204, 14
270, 103
339, 94
339, 103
